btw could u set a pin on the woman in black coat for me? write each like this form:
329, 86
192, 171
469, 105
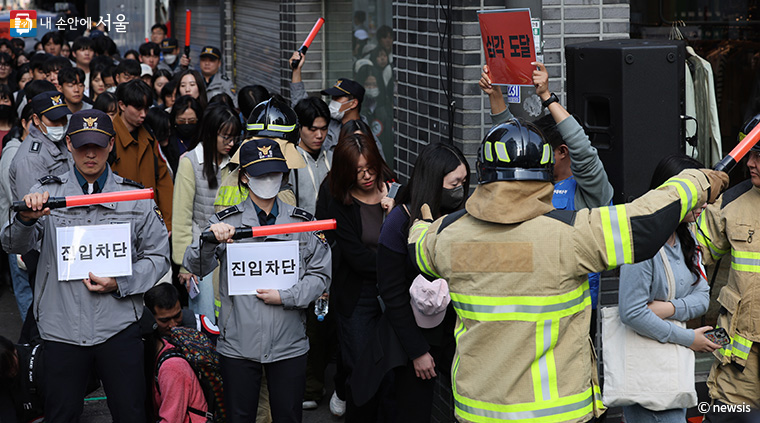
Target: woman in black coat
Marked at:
441, 180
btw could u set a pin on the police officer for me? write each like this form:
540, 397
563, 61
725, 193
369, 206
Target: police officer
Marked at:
730, 225
216, 82
266, 330
272, 119
172, 60
516, 269
43, 152
90, 324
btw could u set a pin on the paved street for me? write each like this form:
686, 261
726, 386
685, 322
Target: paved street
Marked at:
95, 408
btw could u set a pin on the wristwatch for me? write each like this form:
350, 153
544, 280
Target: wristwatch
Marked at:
552, 98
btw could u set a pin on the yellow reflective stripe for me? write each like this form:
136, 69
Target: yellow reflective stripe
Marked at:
745, 261
617, 237
230, 196
687, 191
487, 152
501, 152
567, 408
703, 237
598, 397
535, 370
543, 369
422, 261
254, 126
521, 308
550, 362
281, 128
547, 154
739, 347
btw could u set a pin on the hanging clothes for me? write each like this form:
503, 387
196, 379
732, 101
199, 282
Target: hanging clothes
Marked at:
709, 140
690, 110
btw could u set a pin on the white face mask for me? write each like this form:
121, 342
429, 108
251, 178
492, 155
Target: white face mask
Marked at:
372, 92
335, 112
111, 89
170, 58
55, 133
265, 186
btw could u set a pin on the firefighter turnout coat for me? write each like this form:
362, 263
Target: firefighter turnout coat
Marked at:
728, 227
517, 273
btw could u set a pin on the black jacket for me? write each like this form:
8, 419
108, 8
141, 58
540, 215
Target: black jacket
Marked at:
353, 263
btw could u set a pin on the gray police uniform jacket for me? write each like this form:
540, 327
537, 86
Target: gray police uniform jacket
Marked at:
250, 329
37, 156
220, 84
65, 310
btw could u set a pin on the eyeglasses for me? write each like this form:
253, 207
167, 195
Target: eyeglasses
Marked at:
186, 121
362, 171
229, 139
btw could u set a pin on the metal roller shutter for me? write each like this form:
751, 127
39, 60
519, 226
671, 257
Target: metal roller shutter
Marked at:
206, 25
257, 43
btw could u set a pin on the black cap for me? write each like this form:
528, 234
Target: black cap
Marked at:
212, 52
346, 87
169, 44
90, 126
261, 156
50, 104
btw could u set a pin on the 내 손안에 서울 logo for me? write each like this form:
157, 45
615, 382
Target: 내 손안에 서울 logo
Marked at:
23, 23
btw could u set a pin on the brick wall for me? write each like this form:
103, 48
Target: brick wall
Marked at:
421, 116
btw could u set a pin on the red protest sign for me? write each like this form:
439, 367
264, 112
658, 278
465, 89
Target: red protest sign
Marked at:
508, 44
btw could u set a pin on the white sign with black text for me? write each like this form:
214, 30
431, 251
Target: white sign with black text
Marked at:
261, 265
104, 250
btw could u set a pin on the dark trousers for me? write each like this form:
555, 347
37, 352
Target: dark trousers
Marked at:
286, 380
118, 362
323, 345
354, 334
414, 396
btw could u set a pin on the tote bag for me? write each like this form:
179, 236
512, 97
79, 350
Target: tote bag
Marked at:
640, 370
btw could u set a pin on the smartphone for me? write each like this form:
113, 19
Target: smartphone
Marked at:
718, 336
194, 290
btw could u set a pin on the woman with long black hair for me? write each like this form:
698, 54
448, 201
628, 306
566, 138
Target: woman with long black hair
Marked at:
440, 179
195, 186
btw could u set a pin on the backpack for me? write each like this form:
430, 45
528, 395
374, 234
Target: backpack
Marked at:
200, 353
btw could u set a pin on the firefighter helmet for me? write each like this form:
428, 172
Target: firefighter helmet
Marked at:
273, 118
747, 128
515, 151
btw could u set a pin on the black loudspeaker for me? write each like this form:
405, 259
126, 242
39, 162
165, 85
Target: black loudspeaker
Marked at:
629, 95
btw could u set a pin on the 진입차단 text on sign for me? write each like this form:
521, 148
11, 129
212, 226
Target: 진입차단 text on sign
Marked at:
508, 45
104, 250
261, 265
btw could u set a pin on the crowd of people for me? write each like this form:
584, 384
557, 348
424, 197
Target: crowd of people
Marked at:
490, 294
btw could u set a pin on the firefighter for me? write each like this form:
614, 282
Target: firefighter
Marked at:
728, 226
517, 269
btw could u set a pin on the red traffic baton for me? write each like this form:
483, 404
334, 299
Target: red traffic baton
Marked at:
306, 44
741, 149
188, 18
284, 228
89, 200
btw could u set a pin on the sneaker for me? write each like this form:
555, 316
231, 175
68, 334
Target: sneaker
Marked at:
309, 405
337, 405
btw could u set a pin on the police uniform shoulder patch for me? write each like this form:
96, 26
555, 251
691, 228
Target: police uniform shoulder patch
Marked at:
229, 211
36, 146
303, 214
49, 179
159, 214
321, 238
126, 181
